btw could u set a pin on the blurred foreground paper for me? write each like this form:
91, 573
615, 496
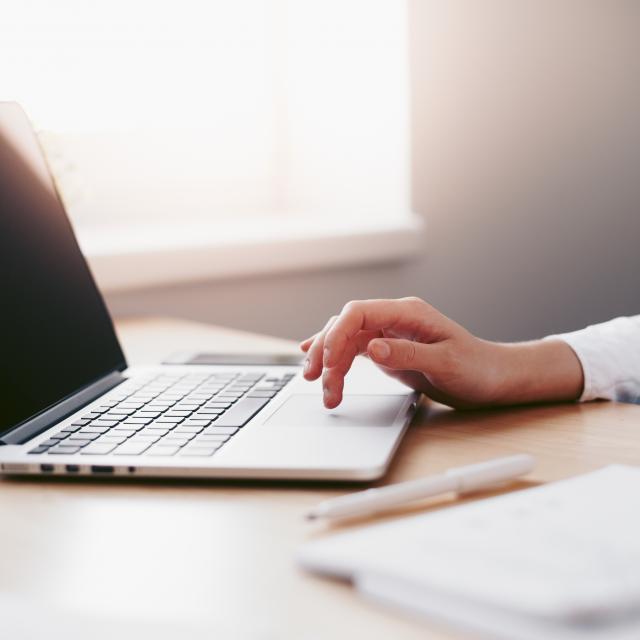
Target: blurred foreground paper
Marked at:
557, 561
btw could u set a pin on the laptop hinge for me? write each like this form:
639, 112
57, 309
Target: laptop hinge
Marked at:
31, 428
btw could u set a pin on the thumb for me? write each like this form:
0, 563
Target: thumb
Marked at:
396, 353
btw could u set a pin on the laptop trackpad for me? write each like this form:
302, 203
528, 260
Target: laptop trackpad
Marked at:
306, 410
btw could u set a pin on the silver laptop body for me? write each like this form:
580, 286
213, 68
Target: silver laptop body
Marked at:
72, 406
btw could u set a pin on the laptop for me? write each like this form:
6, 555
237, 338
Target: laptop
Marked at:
72, 406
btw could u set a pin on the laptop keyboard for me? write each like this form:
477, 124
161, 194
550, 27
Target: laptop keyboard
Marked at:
168, 415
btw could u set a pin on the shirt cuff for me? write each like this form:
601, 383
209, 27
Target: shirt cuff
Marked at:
609, 354
580, 347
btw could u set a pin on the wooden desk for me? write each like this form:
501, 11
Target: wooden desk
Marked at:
221, 554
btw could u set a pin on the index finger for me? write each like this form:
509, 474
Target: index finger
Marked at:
408, 314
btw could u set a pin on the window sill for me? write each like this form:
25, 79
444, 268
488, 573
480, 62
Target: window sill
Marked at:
129, 257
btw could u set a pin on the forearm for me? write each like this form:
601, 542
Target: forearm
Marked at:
415, 343
538, 371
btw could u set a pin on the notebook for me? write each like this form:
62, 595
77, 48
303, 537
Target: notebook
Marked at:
557, 561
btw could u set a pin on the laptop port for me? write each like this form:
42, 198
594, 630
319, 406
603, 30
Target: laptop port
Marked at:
72, 468
97, 468
47, 468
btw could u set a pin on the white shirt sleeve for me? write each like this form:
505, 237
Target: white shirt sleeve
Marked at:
610, 357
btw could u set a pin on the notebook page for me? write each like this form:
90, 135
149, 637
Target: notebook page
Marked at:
567, 552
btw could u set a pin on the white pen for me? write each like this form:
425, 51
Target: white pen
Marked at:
472, 477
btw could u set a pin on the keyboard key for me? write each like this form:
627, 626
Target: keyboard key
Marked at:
84, 437
104, 423
63, 450
145, 438
146, 414
72, 429
120, 411
138, 399
250, 377
177, 414
132, 448
210, 414
211, 437
138, 420
91, 416
112, 439
129, 426
95, 428
162, 450
195, 423
225, 431
78, 442
192, 429
241, 412
98, 449
168, 420
40, 449
49, 443
162, 425
189, 435
79, 423
153, 431
178, 441
127, 433
160, 408
59, 436
113, 417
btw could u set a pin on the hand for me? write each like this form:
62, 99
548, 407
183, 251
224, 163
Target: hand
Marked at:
417, 344
408, 339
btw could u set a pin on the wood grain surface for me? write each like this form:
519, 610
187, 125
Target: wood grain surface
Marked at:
220, 554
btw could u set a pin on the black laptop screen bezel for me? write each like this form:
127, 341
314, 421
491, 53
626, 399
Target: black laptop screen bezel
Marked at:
52, 351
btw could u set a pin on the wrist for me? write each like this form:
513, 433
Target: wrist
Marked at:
537, 371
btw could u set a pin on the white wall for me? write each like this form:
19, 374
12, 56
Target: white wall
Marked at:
526, 166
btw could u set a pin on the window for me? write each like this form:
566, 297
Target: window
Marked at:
210, 120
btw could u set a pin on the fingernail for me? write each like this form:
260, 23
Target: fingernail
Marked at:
307, 366
326, 355
381, 350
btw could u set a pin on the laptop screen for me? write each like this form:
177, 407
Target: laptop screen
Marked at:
56, 335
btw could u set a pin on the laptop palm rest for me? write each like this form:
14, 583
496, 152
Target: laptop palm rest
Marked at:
306, 410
